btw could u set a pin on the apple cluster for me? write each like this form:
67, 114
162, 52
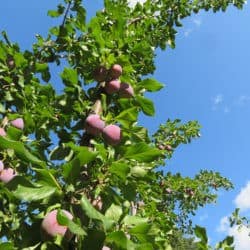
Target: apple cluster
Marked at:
112, 81
94, 125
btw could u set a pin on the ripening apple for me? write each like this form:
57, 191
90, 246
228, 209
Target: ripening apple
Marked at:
106, 248
100, 74
18, 123
97, 203
94, 125
2, 132
126, 90
7, 174
112, 86
51, 227
112, 134
1, 166
115, 71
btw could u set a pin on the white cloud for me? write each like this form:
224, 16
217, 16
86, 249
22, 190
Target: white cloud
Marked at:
241, 237
242, 200
132, 3
197, 22
240, 234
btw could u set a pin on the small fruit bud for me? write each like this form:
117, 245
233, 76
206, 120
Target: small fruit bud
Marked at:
126, 91
94, 125
7, 174
115, 71
51, 226
18, 123
112, 86
112, 134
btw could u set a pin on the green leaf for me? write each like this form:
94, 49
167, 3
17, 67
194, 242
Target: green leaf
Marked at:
92, 213
34, 194
20, 151
151, 85
146, 105
72, 169
45, 176
69, 77
14, 133
128, 116
120, 240
59, 153
200, 232
130, 220
114, 212
73, 227
142, 152
7, 246
120, 169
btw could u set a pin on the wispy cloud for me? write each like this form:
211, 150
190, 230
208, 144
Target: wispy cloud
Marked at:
203, 217
243, 99
197, 22
187, 32
217, 99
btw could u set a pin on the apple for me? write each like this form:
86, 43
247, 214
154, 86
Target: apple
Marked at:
18, 123
115, 71
112, 134
1, 166
100, 74
7, 174
11, 63
2, 132
94, 125
51, 226
126, 90
112, 86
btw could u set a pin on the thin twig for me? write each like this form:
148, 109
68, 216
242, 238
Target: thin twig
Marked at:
66, 13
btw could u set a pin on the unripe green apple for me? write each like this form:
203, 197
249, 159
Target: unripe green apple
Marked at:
112, 86
7, 174
18, 123
100, 74
51, 227
2, 132
126, 90
115, 71
94, 125
112, 134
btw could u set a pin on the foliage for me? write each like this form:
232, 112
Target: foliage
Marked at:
120, 196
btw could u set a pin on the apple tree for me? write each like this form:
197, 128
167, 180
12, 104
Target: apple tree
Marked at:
77, 169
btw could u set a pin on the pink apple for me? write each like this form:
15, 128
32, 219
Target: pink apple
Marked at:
18, 123
113, 86
115, 71
126, 90
106, 248
2, 132
112, 134
97, 203
51, 226
94, 125
7, 174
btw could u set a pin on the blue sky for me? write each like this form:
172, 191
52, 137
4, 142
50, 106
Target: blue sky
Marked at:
207, 79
